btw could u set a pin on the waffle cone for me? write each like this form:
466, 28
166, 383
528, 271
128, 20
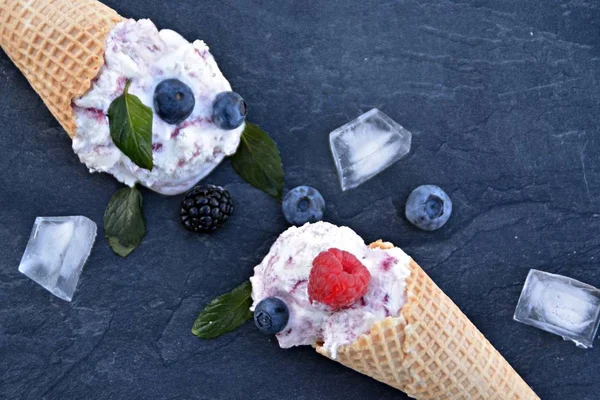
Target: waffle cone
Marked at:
432, 350
58, 45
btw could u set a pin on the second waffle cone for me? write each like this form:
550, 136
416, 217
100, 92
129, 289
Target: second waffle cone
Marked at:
432, 350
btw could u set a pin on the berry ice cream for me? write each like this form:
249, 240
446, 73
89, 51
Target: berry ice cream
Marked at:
187, 144
284, 274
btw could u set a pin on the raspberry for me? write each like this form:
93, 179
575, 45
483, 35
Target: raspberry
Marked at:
338, 279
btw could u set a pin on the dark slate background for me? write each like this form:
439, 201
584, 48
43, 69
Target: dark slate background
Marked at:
503, 102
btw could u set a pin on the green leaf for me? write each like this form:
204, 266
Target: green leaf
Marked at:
130, 123
124, 224
258, 162
225, 313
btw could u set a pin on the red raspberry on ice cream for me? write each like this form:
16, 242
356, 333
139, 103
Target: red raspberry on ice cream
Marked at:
337, 279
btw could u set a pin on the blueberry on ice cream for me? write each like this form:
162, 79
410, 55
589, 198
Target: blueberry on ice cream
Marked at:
182, 84
271, 315
284, 274
229, 110
173, 101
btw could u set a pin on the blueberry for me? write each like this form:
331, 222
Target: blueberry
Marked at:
271, 315
229, 110
173, 101
428, 207
303, 204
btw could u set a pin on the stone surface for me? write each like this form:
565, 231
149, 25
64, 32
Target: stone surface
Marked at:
503, 100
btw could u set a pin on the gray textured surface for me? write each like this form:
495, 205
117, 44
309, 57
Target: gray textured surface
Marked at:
503, 99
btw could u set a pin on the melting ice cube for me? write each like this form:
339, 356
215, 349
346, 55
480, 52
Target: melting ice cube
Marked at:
366, 146
57, 249
560, 305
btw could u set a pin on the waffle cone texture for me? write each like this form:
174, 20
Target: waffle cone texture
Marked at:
59, 46
432, 350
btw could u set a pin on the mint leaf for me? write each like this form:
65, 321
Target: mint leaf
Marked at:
124, 224
130, 124
225, 313
258, 162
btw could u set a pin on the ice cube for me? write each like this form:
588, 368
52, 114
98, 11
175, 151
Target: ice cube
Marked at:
560, 305
57, 249
364, 147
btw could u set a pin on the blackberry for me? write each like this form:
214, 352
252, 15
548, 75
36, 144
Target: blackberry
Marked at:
205, 208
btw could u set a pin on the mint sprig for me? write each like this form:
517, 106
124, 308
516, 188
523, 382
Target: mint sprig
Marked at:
225, 313
124, 224
130, 124
258, 162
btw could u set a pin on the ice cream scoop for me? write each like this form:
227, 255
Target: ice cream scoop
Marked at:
80, 54
284, 274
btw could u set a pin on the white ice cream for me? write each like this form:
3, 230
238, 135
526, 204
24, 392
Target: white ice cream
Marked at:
284, 273
182, 154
